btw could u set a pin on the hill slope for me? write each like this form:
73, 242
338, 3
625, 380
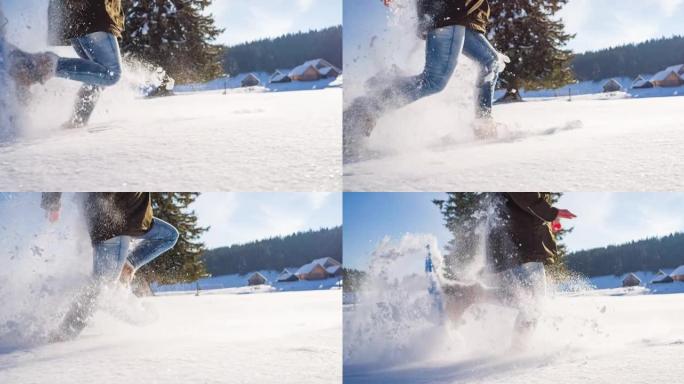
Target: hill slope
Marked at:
630, 60
286, 51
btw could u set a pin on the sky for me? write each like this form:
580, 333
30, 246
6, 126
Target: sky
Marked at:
243, 20
603, 219
597, 23
248, 20
237, 218
234, 218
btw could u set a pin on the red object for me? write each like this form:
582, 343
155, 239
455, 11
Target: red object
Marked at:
556, 226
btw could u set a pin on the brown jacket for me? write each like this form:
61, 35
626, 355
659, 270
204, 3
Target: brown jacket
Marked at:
110, 215
68, 19
473, 14
523, 233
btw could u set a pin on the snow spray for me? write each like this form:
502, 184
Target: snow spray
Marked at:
399, 51
43, 266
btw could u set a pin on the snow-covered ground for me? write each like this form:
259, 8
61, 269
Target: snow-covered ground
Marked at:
598, 339
395, 333
593, 143
278, 337
199, 141
240, 282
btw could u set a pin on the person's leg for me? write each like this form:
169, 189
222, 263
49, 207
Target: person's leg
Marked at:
159, 239
443, 48
87, 97
477, 47
108, 261
99, 63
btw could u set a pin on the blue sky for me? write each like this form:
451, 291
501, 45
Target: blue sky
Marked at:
237, 218
244, 20
603, 219
597, 23
247, 20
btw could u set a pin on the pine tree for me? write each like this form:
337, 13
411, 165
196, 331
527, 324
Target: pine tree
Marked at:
530, 34
184, 262
174, 34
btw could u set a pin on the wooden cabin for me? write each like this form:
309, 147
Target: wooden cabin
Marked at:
678, 274
256, 279
612, 85
250, 80
287, 276
670, 77
631, 280
281, 76
312, 271
662, 278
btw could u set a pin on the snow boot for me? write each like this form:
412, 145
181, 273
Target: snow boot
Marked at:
28, 69
76, 319
358, 123
86, 100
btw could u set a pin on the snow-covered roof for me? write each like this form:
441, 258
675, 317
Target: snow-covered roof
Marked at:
317, 64
334, 269
641, 80
308, 268
612, 81
678, 272
662, 75
326, 262
257, 274
278, 77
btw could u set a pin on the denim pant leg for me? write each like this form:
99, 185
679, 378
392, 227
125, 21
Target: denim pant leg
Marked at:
159, 239
100, 62
478, 48
110, 257
444, 46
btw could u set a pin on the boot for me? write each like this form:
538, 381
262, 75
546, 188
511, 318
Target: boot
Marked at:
86, 100
28, 69
358, 122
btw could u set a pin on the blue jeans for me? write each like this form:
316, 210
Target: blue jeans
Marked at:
444, 48
99, 66
111, 255
99, 63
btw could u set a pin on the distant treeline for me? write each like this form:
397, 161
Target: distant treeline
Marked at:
630, 60
275, 253
285, 52
644, 255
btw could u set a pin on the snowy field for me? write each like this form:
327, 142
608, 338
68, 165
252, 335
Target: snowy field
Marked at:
592, 143
395, 331
199, 141
259, 338
598, 339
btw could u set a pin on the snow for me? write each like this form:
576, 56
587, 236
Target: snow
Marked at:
185, 339
601, 339
678, 272
599, 142
244, 140
394, 333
